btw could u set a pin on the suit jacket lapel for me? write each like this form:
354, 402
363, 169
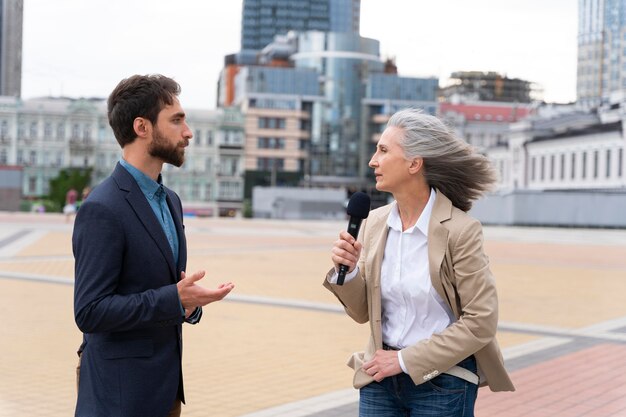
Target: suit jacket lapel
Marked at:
438, 240
144, 212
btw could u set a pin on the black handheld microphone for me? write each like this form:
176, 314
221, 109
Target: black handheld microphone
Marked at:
358, 209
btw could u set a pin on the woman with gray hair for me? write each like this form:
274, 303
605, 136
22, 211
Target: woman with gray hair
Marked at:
419, 276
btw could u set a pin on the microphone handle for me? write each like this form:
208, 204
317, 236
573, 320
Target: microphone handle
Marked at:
343, 270
353, 228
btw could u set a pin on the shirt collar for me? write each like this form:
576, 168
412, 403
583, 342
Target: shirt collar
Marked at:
394, 222
151, 188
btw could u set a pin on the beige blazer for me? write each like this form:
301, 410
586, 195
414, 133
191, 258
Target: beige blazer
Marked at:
459, 271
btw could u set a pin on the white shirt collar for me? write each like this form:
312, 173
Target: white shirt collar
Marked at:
394, 222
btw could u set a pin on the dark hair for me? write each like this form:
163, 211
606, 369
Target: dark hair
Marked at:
450, 164
138, 96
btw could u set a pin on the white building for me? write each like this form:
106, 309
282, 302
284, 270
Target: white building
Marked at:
45, 135
568, 151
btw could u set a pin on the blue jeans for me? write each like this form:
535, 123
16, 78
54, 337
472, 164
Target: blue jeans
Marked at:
398, 396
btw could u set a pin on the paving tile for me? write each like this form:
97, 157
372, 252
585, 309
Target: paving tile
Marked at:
249, 358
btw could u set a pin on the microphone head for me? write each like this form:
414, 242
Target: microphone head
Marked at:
359, 205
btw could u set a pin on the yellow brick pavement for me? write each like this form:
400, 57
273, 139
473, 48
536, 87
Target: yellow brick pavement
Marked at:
247, 357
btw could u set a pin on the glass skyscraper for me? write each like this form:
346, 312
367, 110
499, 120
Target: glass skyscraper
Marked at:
11, 12
262, 19
601, 50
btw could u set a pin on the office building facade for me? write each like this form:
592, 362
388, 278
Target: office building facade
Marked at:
263, 19
46, 135
601, 51
324, 82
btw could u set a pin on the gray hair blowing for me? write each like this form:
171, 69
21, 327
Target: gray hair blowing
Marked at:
450, 165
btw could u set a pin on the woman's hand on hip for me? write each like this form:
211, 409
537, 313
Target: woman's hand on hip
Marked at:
384, 363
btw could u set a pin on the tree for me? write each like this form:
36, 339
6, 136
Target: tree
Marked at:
68, 178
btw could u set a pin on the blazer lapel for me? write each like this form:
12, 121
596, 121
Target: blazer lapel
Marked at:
377, 241
144, 212
438, 240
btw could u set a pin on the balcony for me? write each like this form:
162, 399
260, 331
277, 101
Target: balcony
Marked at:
82, 145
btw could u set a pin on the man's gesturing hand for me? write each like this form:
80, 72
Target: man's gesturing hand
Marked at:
192, 295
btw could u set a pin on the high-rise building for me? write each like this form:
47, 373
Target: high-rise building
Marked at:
263, 19
315, 104
11, 12
601, 51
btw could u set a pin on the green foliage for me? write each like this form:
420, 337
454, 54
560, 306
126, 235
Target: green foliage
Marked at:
247, 208
76, 178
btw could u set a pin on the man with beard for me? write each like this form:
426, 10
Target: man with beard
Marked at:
131, 294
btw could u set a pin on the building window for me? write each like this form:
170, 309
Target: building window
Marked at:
86, 132
230, 190
562, 166
620, 164
584, 173
533, 168
60, 131
33, 130
32, 185
270, 143
195, 191
271, 123
198, 139
47, 131
596, 164
229, 166
268, 164
608, 163
3, 157
573, 167
542, 168
552, 166
4, 130
209, 138
75, 131
207, 165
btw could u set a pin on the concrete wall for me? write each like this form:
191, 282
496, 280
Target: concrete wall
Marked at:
554, 208
10, 188
298, 203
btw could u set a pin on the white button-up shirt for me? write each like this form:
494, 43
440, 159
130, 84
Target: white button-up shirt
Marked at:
412, 310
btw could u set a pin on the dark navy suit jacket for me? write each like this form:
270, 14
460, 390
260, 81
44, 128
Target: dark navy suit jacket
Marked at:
126, 302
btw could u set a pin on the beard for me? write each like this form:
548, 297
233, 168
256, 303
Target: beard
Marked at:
169, 153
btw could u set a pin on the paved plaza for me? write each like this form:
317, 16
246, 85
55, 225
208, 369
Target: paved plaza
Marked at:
278, 344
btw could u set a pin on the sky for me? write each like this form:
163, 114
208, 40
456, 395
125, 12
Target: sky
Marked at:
80, 48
